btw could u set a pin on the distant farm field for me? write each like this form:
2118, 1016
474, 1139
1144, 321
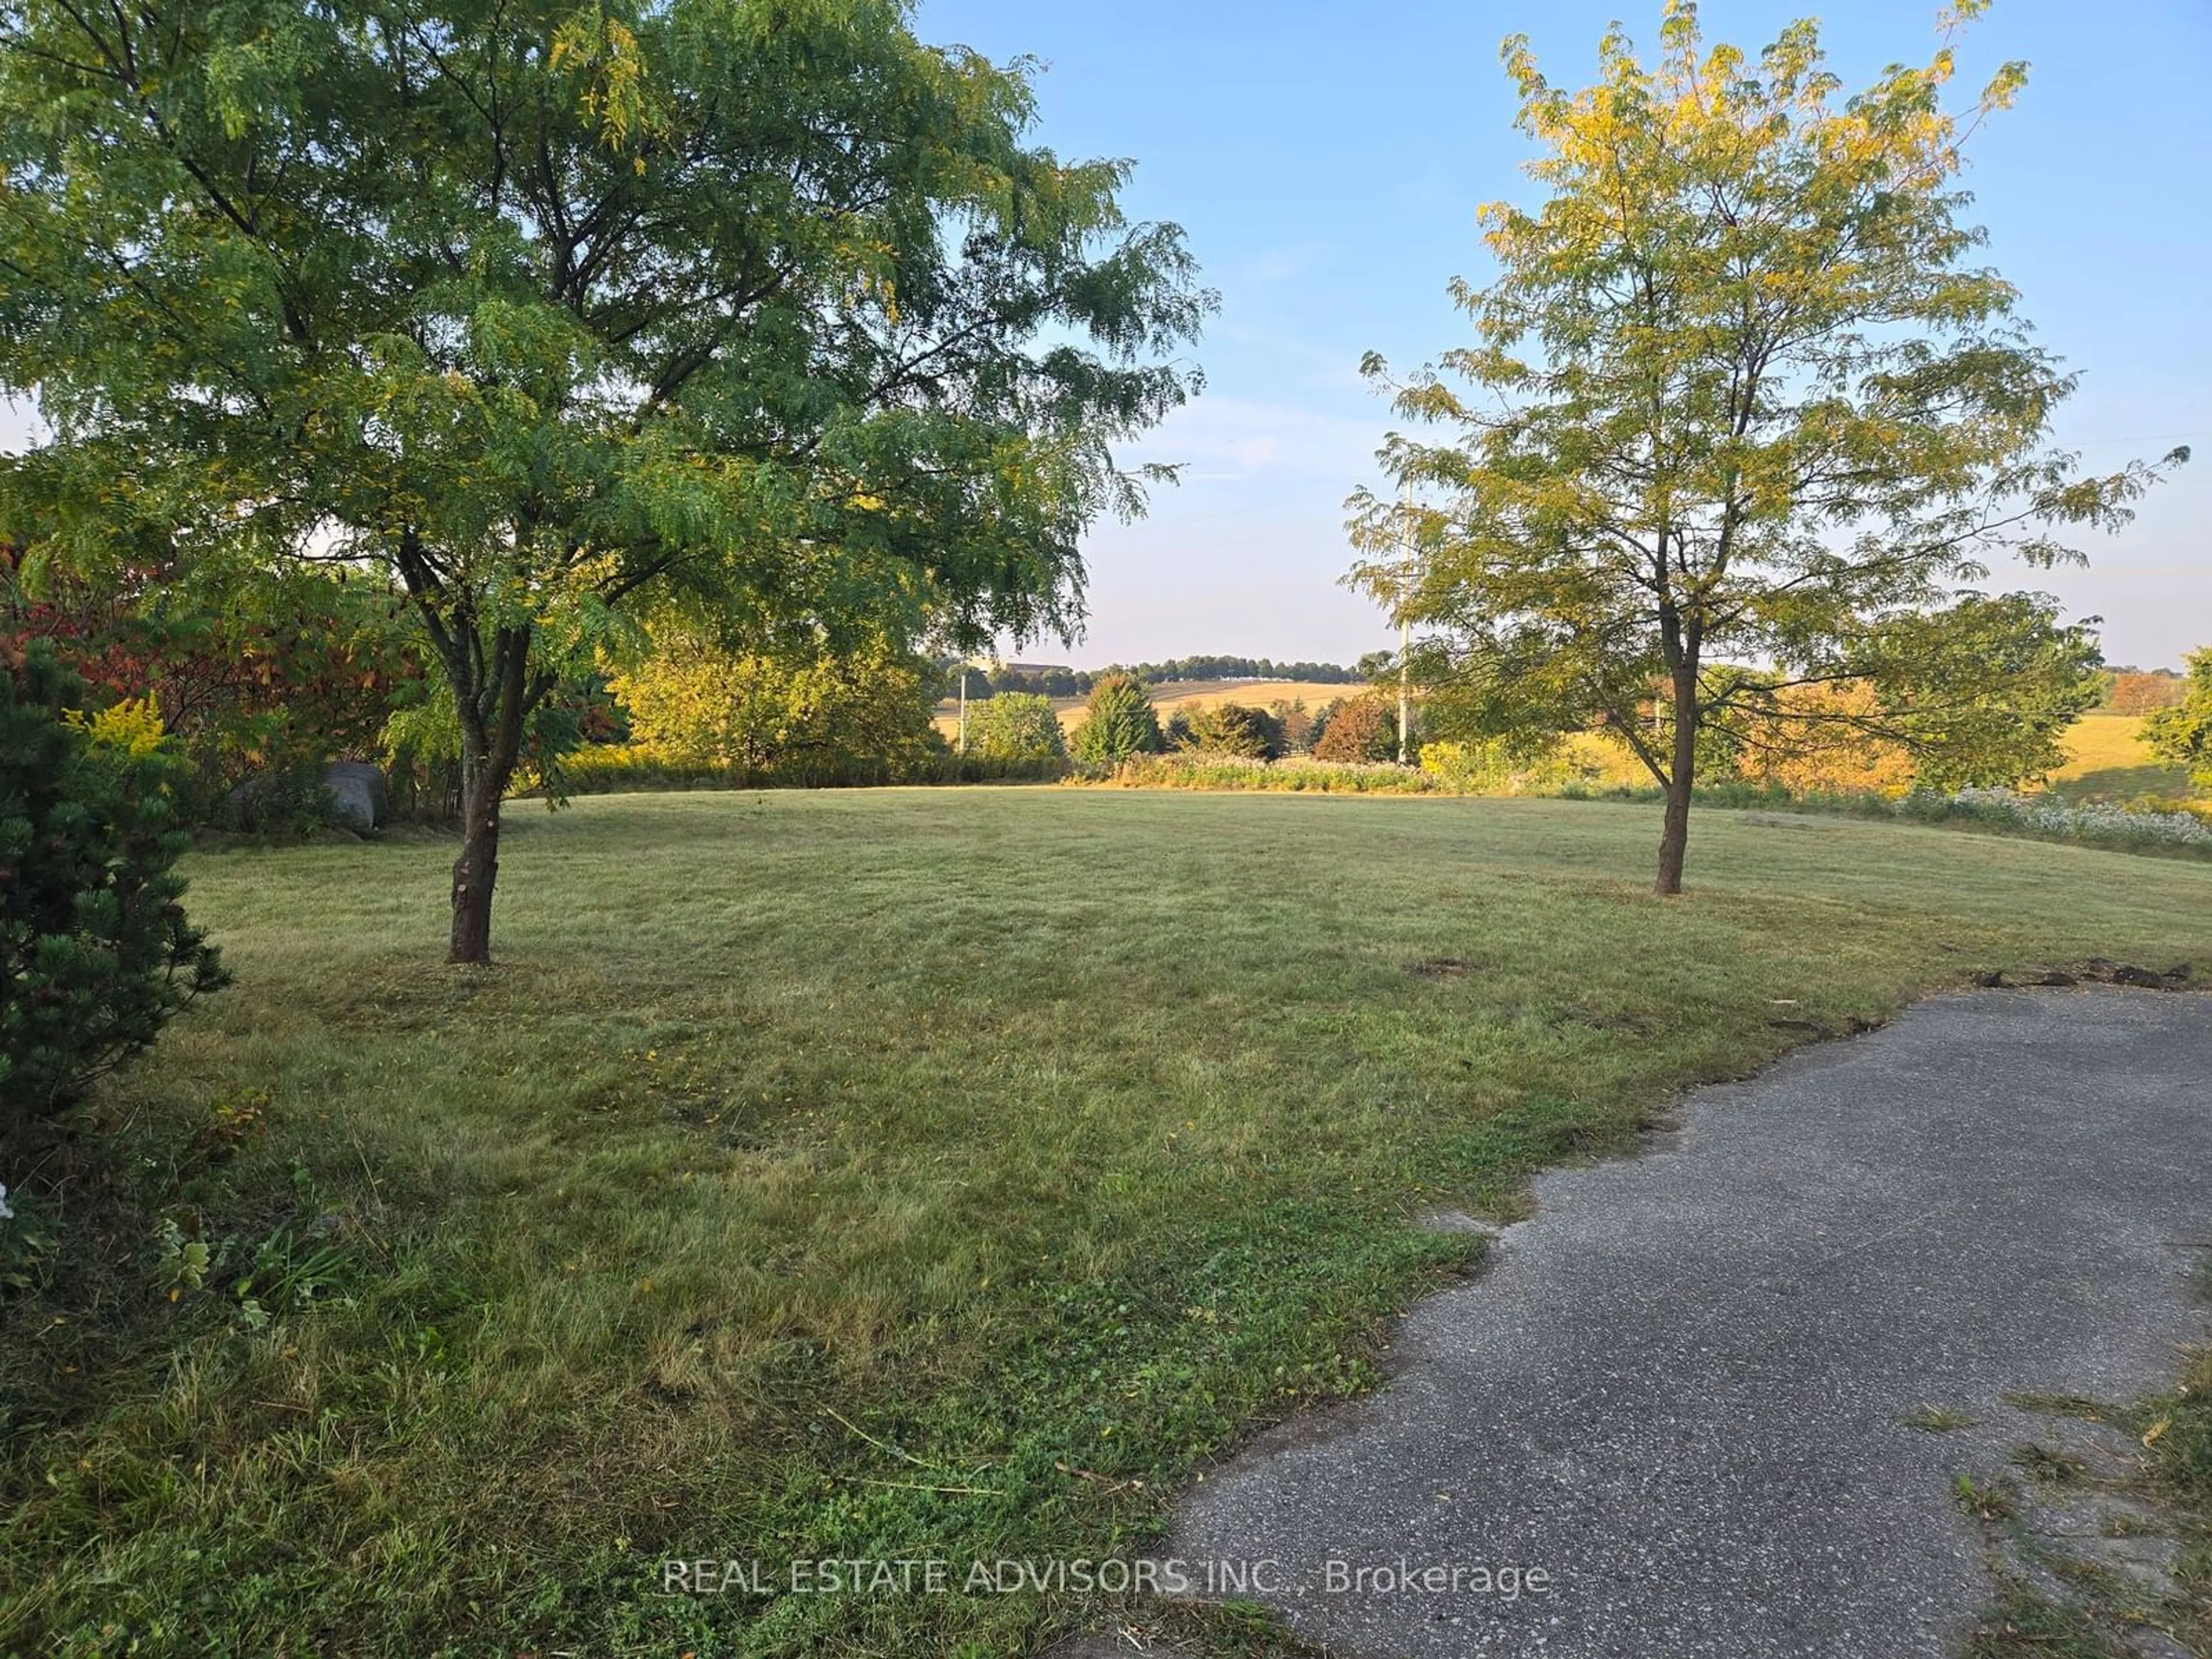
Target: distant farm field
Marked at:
1258, 694
2108, 760
1172, 695
868, 1174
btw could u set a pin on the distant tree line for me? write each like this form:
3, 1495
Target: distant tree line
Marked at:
1079, 682
1242, 668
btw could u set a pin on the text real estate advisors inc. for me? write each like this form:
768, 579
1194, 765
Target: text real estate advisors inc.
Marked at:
1083, 1575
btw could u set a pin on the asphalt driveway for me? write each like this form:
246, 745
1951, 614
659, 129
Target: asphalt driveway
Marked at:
1676, 1413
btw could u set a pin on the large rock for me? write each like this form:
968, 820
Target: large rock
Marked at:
354, 797
360, 800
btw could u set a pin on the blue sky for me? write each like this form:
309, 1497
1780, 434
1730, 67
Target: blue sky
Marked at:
1327, 162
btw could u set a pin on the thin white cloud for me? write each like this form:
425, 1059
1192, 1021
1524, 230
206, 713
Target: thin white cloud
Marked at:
1226, 440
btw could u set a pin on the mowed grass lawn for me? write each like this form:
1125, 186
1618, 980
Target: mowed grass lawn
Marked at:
892, 1174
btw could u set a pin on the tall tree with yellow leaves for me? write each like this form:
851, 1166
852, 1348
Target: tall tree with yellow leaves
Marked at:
1741, 416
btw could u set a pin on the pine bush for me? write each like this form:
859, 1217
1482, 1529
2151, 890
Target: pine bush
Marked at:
96, 950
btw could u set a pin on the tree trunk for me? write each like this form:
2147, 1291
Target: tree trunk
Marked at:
1675, 838
477, 871
490, 749
494, 692
1682, 777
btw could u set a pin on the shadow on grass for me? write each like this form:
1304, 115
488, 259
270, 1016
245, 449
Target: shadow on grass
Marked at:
2123, 783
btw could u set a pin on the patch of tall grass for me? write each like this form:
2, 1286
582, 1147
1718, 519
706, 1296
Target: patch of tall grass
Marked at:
1299, 775
627, 769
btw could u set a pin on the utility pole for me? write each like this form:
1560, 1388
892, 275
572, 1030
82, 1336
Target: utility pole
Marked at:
1405, 628
963, 707
1405, 696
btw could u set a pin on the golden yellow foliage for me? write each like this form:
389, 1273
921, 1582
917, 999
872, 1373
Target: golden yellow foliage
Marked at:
133, 726
1825, 739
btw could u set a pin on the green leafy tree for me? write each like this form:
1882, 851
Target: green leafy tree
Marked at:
2182, 735
95, 951
1119, 721
1227, 728
1737, 394
1980, 693
1019, 727
548, 311
806, 714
